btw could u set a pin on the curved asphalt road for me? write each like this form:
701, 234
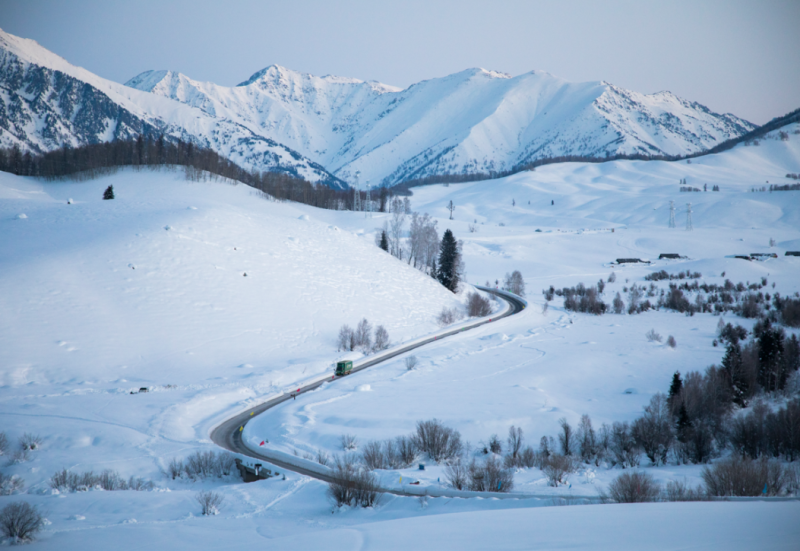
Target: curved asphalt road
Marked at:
229, 436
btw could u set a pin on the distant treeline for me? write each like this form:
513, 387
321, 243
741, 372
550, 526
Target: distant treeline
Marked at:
95, 160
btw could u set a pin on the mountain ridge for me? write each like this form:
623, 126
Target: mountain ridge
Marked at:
335, 129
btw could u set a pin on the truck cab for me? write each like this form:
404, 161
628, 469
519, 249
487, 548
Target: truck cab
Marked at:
344, 368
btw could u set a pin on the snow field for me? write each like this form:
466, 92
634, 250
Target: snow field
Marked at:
89, 311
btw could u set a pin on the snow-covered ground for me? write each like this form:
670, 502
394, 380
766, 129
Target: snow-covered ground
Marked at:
101, 297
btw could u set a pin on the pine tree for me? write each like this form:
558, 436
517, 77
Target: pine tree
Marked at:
674, 389
449, 261
770, 357
732, 363
684, 424
109, 193
384, 241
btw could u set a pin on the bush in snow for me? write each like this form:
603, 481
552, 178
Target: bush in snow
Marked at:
448, 316
489, 476
439, 442
457, 474
557, 467
10, 484
634, 487
30, 442
351, 485
108, 193
652, 336
494, 444
744, 477
21, 521
612, 278
678, 490
477, 306
67, 481
349, 442
623, 446
618, 304
411, 362
566, 438
586, 440
210, 502
671, 342
209, 464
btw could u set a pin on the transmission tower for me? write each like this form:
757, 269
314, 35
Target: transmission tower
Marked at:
672, 214
689, 217
368, 206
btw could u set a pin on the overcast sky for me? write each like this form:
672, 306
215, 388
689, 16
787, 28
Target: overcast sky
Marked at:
730, 55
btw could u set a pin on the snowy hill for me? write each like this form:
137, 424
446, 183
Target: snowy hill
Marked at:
46, 103
101, 297
334, 129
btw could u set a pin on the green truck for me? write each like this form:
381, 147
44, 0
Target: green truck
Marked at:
344, 368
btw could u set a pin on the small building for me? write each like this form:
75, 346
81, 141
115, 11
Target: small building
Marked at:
632, 261
671, 256
792, 253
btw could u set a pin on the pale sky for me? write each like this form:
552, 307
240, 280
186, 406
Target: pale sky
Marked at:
741, 57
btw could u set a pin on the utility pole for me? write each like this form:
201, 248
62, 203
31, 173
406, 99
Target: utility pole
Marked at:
368, 206
672, 214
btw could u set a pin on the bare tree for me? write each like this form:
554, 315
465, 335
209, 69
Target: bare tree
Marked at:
381, 338
345, 338
514, 283
21, 521
451, 207
363, 335
210, 502
411, 362
653, 431
587, 440
477, 306
396, 224
556, 467
514, 442
566, 438
457, 474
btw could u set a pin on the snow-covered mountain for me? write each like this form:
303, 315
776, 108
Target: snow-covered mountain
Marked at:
475, 120
45, 103
333, 129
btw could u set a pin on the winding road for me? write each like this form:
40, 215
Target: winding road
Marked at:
228, 434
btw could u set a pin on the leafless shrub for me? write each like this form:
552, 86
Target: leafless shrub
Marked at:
139, 484
515, 439
544, 307
556, 467
21, 521
477, 306
671, 342
791, 473
744, 477
612, 278
210, 502
351, 485
3, 443
381, 338
110, 480
678, 490
175, 468
618, 304
372, 455
514, 283
448, 316
489, 476
527, 458
652, 336
586, 439
19, 456
457, 474
10, 484
653, 430
208, 464
411, 362
473, 228
406, 449
349, 442
634, 487
30, 442
566, 438
441, 443
322, 458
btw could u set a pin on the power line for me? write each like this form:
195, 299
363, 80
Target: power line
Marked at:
689, 217
672, 214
